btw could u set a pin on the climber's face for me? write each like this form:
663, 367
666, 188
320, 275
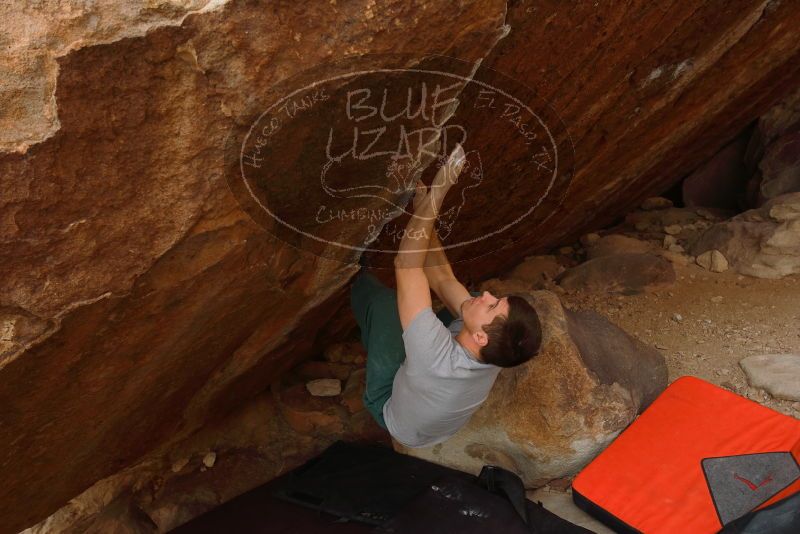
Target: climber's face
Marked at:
478, 312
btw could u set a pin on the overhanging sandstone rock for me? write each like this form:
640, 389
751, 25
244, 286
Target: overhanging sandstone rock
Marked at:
139, 300
548, 418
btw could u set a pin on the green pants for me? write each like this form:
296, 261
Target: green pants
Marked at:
375, 308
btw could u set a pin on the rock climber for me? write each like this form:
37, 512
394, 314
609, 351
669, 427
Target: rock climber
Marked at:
424, 379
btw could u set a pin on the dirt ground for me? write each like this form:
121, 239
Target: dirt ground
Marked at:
706, 322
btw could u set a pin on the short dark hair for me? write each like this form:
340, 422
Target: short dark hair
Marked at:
515, 339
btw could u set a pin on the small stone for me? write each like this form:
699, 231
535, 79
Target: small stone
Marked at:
642, 226
178, 465
713, 260
210, 459
676, 248
717, 299
676, 258
704, 213
656, 203
590, 239
669, 240
673, 229
324, 387
677, 317
566, 251
778, 374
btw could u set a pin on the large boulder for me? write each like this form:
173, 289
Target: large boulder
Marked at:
538, 271
548, 418
619, 273
618, 244
763, 242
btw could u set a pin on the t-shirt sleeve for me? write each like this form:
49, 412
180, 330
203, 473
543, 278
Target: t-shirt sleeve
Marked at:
426, 340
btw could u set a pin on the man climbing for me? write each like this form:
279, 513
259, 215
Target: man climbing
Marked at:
425, 379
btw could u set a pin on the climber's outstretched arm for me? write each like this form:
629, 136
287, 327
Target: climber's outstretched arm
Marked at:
441, 278
413, 290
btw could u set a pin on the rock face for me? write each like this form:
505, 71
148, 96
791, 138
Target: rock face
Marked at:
548, 418
40, 34
120, 517
763, 242
773, 155
780, 168
139, 300
133, 285
261, 439
648, 128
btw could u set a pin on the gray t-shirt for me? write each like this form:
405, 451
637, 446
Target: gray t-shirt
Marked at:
438, 387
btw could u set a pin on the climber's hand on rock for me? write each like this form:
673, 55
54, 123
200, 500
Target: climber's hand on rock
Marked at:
447, 176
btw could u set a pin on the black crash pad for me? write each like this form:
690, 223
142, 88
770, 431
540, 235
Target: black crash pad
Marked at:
369, 488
